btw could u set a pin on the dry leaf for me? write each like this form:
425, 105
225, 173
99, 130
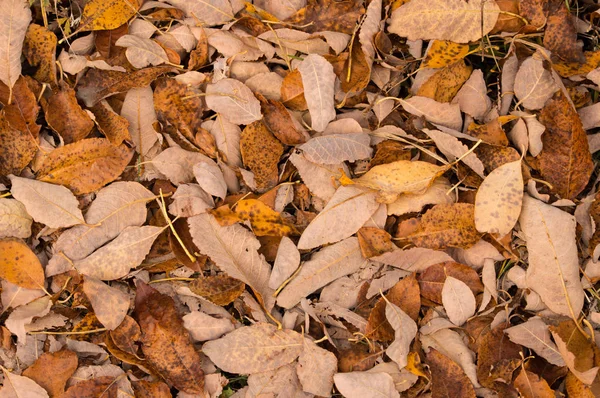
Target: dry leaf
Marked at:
20, 386
286, 262
210, 178
234, 101
107, 15
530, 385
264, 220
209, 12
405, 330
364, 384
534, 85
458, 300
142, 52
472, 96
251, 349
577, 350
14, 219
332, 224
553, 270
374, 241
449, 380
318, 80
438, 113
560, 36
534, 334
499, 198
110, 304
61, 365
218, 289
260, 153
337, 148
15, 19
65, 116
40, 50
203, 327
446, 82
328, 264
323, 15
316, 367
114, 127
453, 20
438, 192
442, 53
318, 178
53, 205
138, 109
453, 149
178, 164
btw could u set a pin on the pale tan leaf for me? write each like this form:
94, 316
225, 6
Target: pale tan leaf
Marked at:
203, 327
282, 9
472, 96
234, 101
142, 52
589, 116
14, 295
235, 251
14, 219
118, 206
126, 251
438, 192
453, 149
20, 387
319, 178
587, 376
138, 109
447, 115
328, 264
210, 12
53, 205
534, 85
14, 20
316, 367
337, 148
507, 82
210, 178
286, 262
416, 259
553, 270
251, 349
177, 164
534, 334
23, 315
190, 200
458, 300
455, 20
405, 330
488, 278
227, 138
274, 383
499, 198
347, 211
370, 27
365, 384
110, 304
318, 80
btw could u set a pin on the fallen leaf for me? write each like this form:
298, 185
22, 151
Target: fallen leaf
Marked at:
142, 52
218, 289
165, 342
65, 116
107, 15
534, 85
446, 82
251, 349
85, 166
209, 12
337, 148
437, 193
20, 386
110, 304
53, 205
332, 224
318, 178
452, 20
286, 262
102, 385
442, 53
534, 334
499, 199
16, 17
472, 96
432, 280
210, 178
453, 149
531, 385
60, 364
203, 327
374, 241
316, 367
19, 265
449, 380
553, 270
292, 91
318, 80
565, 161
15, 222
279, 122
577, 350
497, 359
364, 384
324, 15
114, 127
138, 109
22, 316
328, 264
438, 113
40, 50
560, 35
405, 330
234, 101
260, 153
264, 220
458, 300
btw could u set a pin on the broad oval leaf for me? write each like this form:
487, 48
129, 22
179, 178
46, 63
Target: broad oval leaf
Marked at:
437, 193
534, 85
142, 52
337, 148
210, 178
286, 262
366, 384
318, 80
110, 304
209, 12
458, 300
14, 219
14, 20
20, 386
316, 367
107, 14
19, 265
449, 380
443, 114
234, 101
203, 327
534, 334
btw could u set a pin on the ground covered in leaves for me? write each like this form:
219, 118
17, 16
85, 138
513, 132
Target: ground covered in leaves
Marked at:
299, 198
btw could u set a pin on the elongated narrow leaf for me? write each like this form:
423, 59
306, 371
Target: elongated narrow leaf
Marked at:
14, 20
318, 80
405, 330
138, 109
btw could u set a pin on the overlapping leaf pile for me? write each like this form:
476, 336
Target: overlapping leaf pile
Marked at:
300, 198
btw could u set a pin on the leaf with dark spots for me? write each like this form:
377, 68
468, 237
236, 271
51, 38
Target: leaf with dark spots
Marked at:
320, 15
431, 281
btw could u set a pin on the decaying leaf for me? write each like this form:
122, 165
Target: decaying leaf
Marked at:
449, 380
61, 365
14, 220
260, 152
19, 265
109, 303
443, 53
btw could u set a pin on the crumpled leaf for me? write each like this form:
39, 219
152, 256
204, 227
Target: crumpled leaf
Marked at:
453, 20
114, 127
165, 342
14, 21
234, 101
14, 219
577, 350
328, 264
40, 50
318, 80
530, 385
65, 116
53, 205
332, 223
327, 15
19, 264
251, 349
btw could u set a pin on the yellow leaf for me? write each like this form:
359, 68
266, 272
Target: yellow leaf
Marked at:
445, 83
107, 14
567, 69
19, 265
402, 176
265, 221
443, 53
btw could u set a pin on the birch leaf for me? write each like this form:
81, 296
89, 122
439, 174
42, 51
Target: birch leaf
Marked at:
318, 80
337, 148
234, 101
53, 205
534, 334
14, 21
534, 85
252, 349
14, 219
286, 262
458, 300
366, 384
325, 266
319, 178
138, 109
142, 52
453, 149
20, 386
210, 178
405, 330
114, 260
553, 270
347, 211
499, 198
444, 114
110, 304
235, 251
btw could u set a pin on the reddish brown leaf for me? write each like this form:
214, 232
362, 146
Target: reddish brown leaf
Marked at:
432, 280
102, 386
260, 153
320, 15
449, 380
58, 365
220, 289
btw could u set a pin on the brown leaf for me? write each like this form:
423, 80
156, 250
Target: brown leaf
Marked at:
356, 72
576, 388
65, 116
199, 56
105, 40
98, 84
219, 289
534, 12
279, 122
151, 389
114, 127
102, 386
449, 380
560, 36
374, 241
85, 166
432, 280
446, 82
260, 153
17, 149
497, 359
320, 15
389, 151
58, 365
531, 385
292, 91
39, 48
126, 335
447, 225
565, 161
19, 265
577, 350
404, 294
21, 109
490, 132
165, 342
